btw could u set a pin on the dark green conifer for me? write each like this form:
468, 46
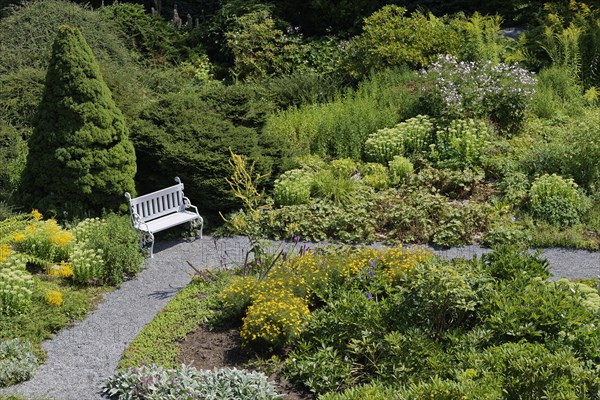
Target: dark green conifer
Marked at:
80, 157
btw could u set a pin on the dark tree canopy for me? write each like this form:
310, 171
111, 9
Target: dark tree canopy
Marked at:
80, 157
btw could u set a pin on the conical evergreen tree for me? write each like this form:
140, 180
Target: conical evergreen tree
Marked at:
80, 157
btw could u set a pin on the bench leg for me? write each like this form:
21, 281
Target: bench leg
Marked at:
147, 237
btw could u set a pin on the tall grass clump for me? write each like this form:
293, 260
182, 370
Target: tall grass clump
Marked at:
339, 129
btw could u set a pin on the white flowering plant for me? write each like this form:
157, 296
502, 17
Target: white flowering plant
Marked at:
468, 89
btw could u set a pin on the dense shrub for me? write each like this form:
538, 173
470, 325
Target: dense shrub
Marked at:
391, 38
17, 361
442, 295
107, 250
186, 136
13, 155
509, 263
80, 158
152, 37
555, 200
153, 382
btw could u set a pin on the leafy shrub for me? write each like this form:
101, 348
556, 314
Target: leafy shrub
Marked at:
456, 89
557, 93
558, 155
292, 188
559, 374
442, 295
16, 286
374, 175
450, 183
323, 370
153, 382
13, 155
300, 88
372, 391
273, 319
188, 136
410, 136
506, 233
17, 361
555, 200
509, 263
401, 169
540, 311
390, 38
515, 187
461, 144
118, 243
152, 37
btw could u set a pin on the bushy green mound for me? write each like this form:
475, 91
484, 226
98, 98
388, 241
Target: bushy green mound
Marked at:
80, 158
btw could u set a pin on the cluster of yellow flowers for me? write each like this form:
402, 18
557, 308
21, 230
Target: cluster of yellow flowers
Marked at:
237, 295
5, 251
43, 239
397, 261
54, 297
63, 270
274, 318
358, 261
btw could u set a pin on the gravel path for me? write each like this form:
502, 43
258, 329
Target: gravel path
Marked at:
82, 357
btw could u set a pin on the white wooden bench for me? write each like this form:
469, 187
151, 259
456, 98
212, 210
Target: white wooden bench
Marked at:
160, 210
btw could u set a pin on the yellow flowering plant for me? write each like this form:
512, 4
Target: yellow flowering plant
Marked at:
63, 270
44, 240
237, 296
273, 320
54, 297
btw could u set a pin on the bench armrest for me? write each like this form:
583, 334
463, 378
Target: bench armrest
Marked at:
187, 204
137, 221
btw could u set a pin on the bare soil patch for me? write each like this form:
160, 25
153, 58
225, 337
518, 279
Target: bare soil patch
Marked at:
206, 349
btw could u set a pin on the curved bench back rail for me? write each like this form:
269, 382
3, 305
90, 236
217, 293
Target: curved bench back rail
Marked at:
160, 210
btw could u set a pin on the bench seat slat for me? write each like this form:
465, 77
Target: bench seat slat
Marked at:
168, 221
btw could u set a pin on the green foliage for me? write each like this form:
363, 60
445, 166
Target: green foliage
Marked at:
498, 92
401, 169
369, 391
462, 144
80, 158
555, 200
556, 152
13, 153
258, 47
509, 263
115, 242
16, 287
152, 37
506, 233
301, 88
158, 342
292, 188
390, 38
410, 136
557, 94
17, 361
340, 128
327, 184
558, 374
189, 134
375, 175
545, 235
442, 295
154, 382
451, 183
541, 311
20, 93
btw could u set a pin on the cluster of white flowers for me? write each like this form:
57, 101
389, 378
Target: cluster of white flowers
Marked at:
15, 289
475, 88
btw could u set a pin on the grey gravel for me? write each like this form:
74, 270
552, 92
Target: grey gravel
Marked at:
83, 356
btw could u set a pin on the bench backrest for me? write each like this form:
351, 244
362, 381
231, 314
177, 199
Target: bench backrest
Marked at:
156, 204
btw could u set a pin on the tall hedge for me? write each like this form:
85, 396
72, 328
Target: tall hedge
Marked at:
80, 157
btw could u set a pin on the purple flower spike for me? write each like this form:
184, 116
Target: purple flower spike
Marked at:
296, 239
370, 296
